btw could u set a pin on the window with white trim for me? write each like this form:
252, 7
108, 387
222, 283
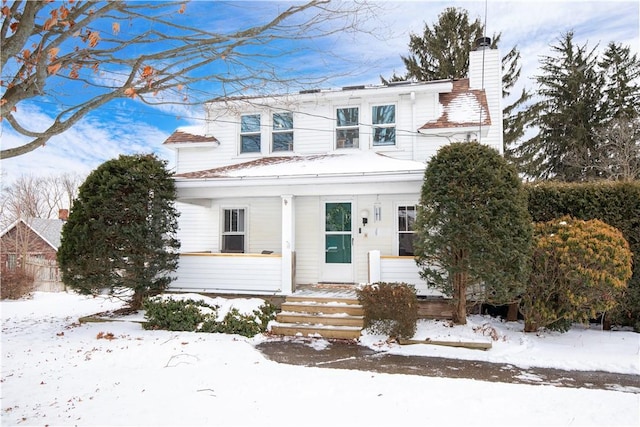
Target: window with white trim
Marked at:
383, 118
347, 128
406, 233
250, 133
233, 232
282, 134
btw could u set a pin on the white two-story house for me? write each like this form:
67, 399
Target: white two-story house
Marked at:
319, 186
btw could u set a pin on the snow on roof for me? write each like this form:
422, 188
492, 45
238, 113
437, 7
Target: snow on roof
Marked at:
356, 162
461, 107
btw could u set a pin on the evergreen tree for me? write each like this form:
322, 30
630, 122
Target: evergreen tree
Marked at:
121, 231
515, 116
621, 73
442, 52
473, 230
567, 113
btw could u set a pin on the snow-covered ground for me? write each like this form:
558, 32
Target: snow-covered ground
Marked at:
58, 372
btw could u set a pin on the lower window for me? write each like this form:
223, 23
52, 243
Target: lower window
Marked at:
406, 234
233, 233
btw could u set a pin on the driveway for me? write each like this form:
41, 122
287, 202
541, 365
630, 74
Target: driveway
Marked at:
350, 355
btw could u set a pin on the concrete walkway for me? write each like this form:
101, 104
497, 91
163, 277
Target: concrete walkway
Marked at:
350, 355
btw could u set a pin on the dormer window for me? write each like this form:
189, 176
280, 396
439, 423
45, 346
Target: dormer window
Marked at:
347, 128
282, 134
384, 125
250, 133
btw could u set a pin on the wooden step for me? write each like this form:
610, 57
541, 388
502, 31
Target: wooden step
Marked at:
326, 316
332, 332
322, 308
321, 319
309, 298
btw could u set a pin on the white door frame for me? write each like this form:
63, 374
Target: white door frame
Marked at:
337, 272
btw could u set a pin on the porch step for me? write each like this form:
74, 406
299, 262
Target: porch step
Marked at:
321, 319
322, 308
320, 331
322, 316
312, 299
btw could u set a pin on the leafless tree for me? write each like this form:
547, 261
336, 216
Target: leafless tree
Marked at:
616, 154
37, 197
146, 51
620, 149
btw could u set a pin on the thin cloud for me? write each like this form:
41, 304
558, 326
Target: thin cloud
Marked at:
127, 127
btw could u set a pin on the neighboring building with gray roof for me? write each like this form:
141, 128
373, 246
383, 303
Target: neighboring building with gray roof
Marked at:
33, 243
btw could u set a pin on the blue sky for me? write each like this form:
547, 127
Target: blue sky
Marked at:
126, 127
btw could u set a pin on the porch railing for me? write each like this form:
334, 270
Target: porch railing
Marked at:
384, 268
232, 273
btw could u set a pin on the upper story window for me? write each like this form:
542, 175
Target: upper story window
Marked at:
347, 129
233, 234
383, 118
250, 133
282, 134
406, 233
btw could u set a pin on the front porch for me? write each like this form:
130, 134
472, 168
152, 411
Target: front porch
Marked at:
274, 274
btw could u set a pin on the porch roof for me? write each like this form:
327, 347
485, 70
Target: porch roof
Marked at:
355, 162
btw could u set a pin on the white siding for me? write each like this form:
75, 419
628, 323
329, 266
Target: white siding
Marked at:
314, 132
259, 274
197, 228
263, 218
308, 239
404, 270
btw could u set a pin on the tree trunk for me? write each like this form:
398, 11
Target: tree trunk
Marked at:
136, 299
530, 326
459, 300
512, 313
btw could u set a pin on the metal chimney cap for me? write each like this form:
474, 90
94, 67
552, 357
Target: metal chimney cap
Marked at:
483, 43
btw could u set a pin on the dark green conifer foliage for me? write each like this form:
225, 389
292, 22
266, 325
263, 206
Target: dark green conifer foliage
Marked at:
442, 52
621, 72
473, 230
567, 114
121, 231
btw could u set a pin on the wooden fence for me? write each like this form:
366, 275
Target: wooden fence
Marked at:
45, 273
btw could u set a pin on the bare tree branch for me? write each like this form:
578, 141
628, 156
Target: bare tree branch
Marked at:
48, 49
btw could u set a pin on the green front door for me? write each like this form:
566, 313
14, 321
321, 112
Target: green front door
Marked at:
338, 243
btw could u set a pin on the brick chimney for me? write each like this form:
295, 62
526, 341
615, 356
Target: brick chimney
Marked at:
63, 214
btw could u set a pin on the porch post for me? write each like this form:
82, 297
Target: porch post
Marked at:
288, 243
374, 266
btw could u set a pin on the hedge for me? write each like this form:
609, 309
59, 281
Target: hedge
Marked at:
615, 203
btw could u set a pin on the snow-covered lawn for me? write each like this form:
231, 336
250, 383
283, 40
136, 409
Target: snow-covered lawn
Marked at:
57, 372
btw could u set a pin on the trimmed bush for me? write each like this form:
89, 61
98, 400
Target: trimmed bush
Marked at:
177, 315
579, 269
197, 316
473, 233
389, 308
616, 204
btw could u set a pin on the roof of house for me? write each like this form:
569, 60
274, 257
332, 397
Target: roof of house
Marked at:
461, 107
355, 162
189, 135
49, 230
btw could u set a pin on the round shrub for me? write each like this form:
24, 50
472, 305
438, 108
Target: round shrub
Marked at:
389, 308
579, 270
